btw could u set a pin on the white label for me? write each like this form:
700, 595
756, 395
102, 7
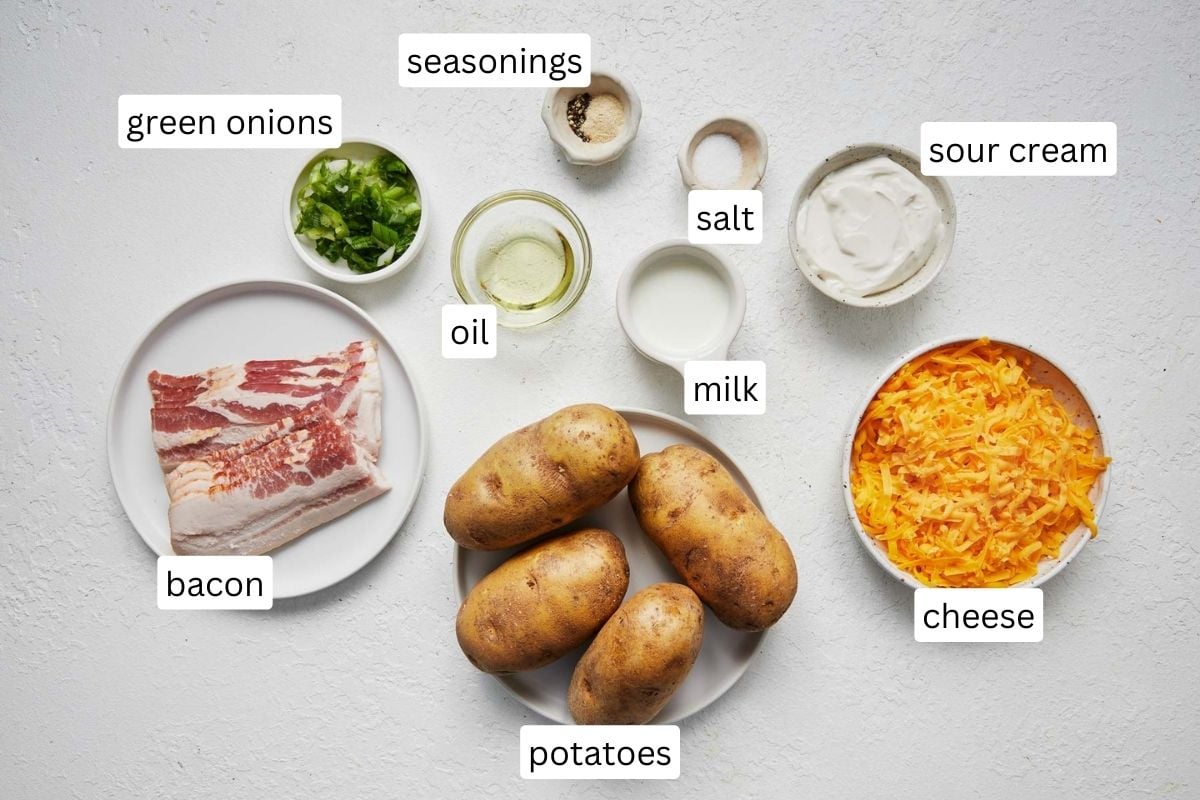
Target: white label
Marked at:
483, 60
468, 331
725, 216
725, 387
190, 583
977, 615
224, 121
1019, 148
599, 752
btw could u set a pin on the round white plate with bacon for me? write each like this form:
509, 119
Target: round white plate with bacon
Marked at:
268, 417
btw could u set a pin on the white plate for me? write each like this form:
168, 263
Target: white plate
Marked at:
725, 653
268, 319
1042, 370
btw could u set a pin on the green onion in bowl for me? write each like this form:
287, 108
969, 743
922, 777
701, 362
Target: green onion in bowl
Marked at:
366, 213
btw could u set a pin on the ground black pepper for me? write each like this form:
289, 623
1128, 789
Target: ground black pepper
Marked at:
577, 113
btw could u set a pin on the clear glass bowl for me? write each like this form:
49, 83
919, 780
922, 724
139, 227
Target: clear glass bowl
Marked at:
519, 209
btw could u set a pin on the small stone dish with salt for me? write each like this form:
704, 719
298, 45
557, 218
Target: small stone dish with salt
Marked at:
593, 125
727, 152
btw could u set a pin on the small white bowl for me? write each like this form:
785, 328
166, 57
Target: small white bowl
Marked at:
932, 266
360, 149
717, 348
577, 151
750, 137
1045, 372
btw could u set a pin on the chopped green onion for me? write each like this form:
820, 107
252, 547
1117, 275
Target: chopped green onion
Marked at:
366, 214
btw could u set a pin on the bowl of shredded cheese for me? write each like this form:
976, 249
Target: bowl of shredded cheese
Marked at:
975, 463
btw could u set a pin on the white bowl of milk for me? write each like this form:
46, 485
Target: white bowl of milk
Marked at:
681, 302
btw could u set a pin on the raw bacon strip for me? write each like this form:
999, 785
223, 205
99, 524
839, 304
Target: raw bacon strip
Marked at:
195, 415
264, 492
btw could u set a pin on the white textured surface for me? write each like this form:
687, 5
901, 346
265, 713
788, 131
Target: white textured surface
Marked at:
361, 690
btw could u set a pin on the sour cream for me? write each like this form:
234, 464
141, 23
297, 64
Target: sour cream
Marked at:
868, 227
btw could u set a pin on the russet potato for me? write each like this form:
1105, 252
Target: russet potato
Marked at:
543, 602
542, 477
715, 537
639, 658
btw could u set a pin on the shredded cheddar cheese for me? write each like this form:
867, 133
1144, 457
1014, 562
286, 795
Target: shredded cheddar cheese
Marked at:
968, 472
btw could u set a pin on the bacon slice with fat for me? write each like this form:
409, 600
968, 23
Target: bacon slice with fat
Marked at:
271, 488
196, 415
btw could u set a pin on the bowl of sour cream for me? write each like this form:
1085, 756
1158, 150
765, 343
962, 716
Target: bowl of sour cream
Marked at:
868, 229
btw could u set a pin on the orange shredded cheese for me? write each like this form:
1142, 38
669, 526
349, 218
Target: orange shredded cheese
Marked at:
969, 473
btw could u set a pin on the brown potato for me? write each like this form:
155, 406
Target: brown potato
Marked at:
715, 537
543, 602
639, 658
542, 477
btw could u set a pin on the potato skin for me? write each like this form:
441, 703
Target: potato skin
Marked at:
543, 602
542, 477
639, 658
716, 538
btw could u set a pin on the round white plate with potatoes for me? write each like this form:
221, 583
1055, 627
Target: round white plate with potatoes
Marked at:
725, 653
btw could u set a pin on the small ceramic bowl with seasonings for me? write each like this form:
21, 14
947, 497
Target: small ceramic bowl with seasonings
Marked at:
594, 124
748, 164
396, 245
524, 252
868, 229
681, 302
